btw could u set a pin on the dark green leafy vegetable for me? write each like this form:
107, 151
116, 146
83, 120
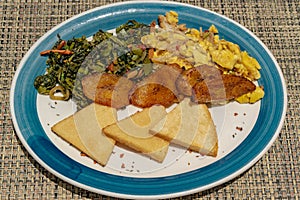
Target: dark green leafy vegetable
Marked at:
131, 24
44, 83
62, 69
119, 54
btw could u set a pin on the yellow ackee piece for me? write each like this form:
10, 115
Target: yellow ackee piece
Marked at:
252, 97
224, 58
172, 17
251, 64
213, 29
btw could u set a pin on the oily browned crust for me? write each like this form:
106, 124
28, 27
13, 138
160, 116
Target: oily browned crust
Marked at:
208, 84
107, 89
157, 89
222, 89
188, 78
152, 94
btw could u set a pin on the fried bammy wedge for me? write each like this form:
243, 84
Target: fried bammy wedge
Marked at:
133, 132
189, 125
84, 131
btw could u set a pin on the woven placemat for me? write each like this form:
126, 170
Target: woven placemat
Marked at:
276, 23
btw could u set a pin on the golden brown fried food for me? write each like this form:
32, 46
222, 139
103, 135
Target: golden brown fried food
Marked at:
222, 89
166, 75
107, 89
157, 89
89, 85
188, 78
152, 94
208, 84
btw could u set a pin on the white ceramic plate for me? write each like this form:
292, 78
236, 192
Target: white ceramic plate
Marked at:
130, 175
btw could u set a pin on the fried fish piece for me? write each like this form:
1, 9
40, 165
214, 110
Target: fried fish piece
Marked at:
222, 89
107, 89
208, 84
157, 89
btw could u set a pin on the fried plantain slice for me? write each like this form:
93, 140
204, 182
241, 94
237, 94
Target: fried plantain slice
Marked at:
188, 78
152, 94
157, 89
107, 89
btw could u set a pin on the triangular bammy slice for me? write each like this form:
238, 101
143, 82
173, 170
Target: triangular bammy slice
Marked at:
84, 131
133, 132
189, 125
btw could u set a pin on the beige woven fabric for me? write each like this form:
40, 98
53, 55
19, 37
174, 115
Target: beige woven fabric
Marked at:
276, 23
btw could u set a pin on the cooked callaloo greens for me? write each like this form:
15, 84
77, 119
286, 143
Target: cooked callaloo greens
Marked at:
106, 52
63, 67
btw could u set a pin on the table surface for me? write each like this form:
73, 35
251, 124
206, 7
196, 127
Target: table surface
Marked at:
275, 176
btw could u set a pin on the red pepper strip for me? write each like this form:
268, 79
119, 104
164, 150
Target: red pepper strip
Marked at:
61, 45
111, 67
63, 52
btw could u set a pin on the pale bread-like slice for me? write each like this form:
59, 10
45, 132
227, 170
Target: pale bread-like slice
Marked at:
84, 131
133, 132
191, 126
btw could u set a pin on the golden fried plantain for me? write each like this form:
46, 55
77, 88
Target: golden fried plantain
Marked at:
157, 89
152, 94
188, 78
107, 89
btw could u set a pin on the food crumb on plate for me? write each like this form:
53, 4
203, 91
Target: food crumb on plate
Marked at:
233, 135
239, 128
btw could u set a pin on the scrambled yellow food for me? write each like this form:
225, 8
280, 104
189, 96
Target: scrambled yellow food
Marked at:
252, 97
176, 48
228, 55
189, 47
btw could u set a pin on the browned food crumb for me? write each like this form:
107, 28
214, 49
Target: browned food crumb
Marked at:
239, 128
123, 166
82, 154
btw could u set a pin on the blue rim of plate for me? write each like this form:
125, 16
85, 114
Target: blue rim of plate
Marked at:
33, 137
